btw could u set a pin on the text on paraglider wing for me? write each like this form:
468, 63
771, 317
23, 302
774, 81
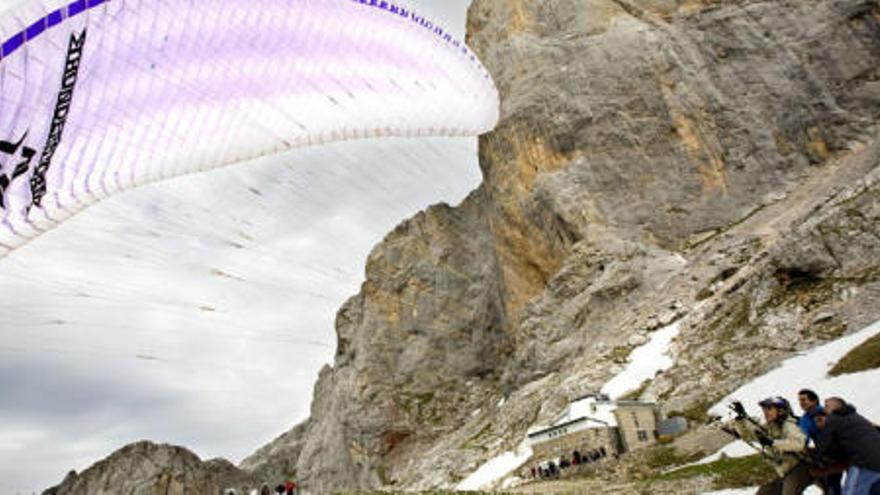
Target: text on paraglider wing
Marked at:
59, 116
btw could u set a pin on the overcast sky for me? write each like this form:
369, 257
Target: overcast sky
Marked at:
198, 311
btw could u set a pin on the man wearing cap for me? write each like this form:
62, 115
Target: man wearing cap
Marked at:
782, 443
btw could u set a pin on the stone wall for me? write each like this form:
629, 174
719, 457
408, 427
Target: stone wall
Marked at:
583, 441
637, 424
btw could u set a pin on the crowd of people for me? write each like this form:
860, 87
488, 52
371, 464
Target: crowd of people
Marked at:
833, 447
554, 468
289, 488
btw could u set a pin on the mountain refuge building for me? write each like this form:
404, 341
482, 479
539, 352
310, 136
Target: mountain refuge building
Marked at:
595, 423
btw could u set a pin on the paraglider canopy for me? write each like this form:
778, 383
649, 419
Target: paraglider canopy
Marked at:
97, 96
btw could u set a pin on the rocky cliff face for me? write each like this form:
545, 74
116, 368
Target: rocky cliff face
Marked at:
406, 360
655, 159
709, 161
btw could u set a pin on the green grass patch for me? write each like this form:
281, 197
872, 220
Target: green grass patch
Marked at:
726, 473
862, 358
413, 403
420, 407
620, 354
705, 293
636, 393
697, 413
476, 441
663, 457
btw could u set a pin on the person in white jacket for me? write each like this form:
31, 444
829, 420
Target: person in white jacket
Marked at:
783, 445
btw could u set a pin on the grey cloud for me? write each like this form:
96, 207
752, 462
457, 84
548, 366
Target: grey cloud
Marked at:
234, 292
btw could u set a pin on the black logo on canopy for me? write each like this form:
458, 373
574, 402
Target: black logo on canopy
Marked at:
15, 161
15, 157
59, 116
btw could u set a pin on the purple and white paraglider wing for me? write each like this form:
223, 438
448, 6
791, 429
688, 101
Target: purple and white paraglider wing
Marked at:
97, 96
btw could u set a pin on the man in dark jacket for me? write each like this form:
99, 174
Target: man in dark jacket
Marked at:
850, 436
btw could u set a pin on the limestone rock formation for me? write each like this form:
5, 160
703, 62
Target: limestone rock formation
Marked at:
713, 161
654, 160
409, 365
145, 468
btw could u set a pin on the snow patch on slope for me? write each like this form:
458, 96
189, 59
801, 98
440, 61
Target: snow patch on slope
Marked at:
810, 370
496, 468
644, 363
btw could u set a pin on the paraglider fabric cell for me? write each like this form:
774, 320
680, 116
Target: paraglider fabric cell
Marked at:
97, 96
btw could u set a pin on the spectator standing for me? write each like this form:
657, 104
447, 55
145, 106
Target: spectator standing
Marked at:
848, 435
